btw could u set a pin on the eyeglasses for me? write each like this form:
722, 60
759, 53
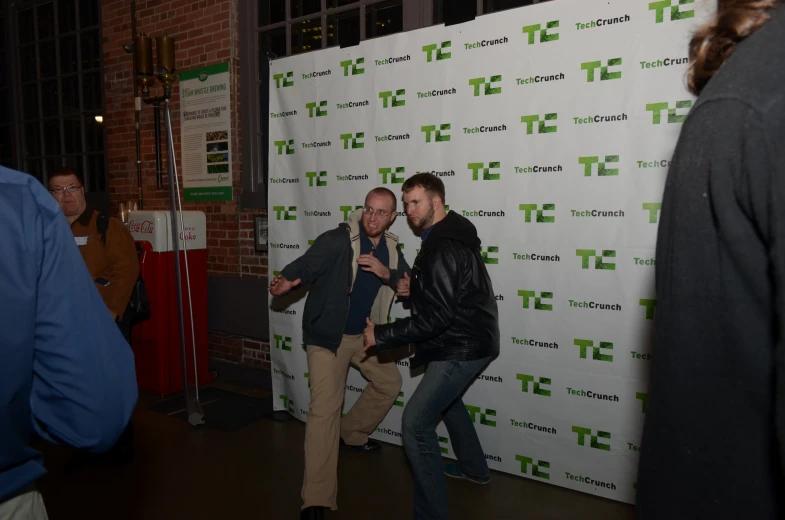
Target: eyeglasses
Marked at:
58, 192
367, 210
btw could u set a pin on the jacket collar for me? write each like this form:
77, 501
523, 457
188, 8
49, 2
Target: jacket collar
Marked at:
86, 216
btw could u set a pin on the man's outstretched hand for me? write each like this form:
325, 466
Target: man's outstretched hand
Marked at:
369, 337
281, 285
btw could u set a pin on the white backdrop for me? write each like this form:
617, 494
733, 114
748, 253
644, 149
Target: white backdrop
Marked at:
555, 126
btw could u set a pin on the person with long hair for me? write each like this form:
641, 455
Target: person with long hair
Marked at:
713, 439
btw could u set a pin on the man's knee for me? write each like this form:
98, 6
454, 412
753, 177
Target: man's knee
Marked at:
389, 385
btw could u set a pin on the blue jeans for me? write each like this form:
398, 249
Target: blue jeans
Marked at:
440, 392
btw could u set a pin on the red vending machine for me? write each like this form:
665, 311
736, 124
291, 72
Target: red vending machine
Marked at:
156, 342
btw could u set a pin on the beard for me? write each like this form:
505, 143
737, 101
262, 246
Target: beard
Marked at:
372, 232
423, 222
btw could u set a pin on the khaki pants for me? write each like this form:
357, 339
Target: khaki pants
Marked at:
25, 506
324, 426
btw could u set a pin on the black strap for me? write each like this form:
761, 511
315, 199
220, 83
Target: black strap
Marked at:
102, 224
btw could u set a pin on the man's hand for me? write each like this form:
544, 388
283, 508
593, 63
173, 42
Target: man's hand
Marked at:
281, 285
370, 263
403, 286
369, 337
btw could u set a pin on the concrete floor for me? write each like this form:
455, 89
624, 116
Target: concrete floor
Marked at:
181, 472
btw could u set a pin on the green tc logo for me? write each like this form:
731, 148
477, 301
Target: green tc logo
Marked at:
588, 163
486, 172
584, 344
307, 375
354, 64
654, 211
473, 410
285, 78
486, 254
538, 305
657, 108
439, 137
532, 30
650, 305
356, 140
542, 128
281, 144
541, 217
281, 342
605, 75
644, 398
586, 255
399, 402
287, 403
319, 112
444, 449
385, 97
582, 432
428, 50
316, 176
394, 179
525, 461
489, 88
676, 13
525, 379
286, 212
348, 209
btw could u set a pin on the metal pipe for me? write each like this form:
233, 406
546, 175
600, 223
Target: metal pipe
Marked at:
137, 114
157, 125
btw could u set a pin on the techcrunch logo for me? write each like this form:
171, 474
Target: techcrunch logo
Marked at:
317, 214
281, 245
590, 481
437, 93
486, 43
633, 447
486, 254
494, 458
650, 305
288, 212
288, 403
314, 107
526, 461
474, 410
391, 60
403, 363
525, 379
605, 75
397, 402
282, 79
315, 144
395, 102
532, 426
675, 11
654, 210
538, 169
354, 389
542, 128
342, 178
599, 119
541, 218
312, 75
584, 344
429, 54
483, 213
644, 261
353, 104
283, 114
657, 108
348, 209
389, 432
446, 173
284, 180
587, 254
534, 343
532, 30
355, 138
283, 311
644, 399
493, 379
597, 213
485, 129
595, 305
391, 137
538, 305
602, 22
489, 89
583, 432
588, 163
486, 172
539, 79
281, 342
284, 374
592, 395
662, 163
316, 176
288, 145
438, 137
393, 175
667, 62
536, 258
641, 357
353, 66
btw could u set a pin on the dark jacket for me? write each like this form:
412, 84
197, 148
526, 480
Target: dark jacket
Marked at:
330, 265
454, 312
714, 434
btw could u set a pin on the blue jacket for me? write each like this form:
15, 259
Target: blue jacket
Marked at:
66, 371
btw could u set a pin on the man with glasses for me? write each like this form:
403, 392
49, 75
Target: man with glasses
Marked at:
111, 259
354, 271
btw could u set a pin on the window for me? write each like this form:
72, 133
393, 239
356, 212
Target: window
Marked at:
59, 75
483, 6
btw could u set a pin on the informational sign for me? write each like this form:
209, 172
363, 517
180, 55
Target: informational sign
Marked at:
205, 120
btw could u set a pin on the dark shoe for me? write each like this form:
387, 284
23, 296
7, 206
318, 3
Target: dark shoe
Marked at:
312, 513
371, 445
452, 470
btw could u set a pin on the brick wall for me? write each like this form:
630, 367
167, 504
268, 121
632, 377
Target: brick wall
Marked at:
205, 33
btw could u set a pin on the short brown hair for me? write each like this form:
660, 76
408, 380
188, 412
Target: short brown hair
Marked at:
384, 191
428, 181
62, 172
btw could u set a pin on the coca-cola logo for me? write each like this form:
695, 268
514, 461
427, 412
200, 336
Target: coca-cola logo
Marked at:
144, 226
189, 235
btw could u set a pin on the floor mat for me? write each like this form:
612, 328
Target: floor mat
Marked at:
223, 410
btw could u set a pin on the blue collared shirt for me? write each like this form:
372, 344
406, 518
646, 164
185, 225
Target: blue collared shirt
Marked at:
366, 285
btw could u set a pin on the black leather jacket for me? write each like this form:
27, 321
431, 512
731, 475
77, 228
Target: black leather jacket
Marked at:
454, 313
